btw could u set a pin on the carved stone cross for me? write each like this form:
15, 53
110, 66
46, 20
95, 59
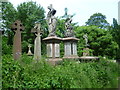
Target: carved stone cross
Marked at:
37, 44
29, 50
17, 27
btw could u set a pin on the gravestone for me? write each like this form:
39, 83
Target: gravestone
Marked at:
17, 27
52, 41
37, 43
70, 47
29, 50
70, 42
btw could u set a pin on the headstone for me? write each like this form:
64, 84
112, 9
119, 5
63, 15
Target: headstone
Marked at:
52, 41
70, 42
53, 49
37, 43
51, 20
29, 50
17, 27
70, 47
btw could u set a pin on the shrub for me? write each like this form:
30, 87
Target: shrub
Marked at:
29, 74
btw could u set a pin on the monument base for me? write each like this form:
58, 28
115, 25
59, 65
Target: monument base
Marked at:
70, 47
54, 61
53, 49
71, 57
88, 58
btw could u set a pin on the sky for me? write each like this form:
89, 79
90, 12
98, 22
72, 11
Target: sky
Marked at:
82, 9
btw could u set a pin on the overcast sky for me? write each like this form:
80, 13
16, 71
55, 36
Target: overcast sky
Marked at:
82, 8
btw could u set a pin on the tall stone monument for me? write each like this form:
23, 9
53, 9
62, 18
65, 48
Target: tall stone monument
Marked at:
52, 41
17, 27
37, 43
119, 12
70, 42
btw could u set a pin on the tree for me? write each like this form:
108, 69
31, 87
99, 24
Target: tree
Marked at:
28, 13
116, 34
99, 20
100, 41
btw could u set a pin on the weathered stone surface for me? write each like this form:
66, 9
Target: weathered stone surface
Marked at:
29, 50
49, 50
69, 28
53, 47
51, 20
67, 49
74, 48
17, 27
37, 43
57, 50
70, 47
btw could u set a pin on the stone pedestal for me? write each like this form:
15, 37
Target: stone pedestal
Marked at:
86, 52
53, 48
70, 47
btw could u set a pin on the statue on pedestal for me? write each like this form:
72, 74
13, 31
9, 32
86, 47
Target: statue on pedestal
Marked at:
86, 40
51, 20
69, 28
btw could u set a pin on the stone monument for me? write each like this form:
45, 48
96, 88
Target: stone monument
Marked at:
70, 42
86, 49
51, 21
52, 41
86, 54
37, 43
29, 50
17, 27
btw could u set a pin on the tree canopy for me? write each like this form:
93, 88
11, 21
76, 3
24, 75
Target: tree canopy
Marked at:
98, 19
28, 13
100, 41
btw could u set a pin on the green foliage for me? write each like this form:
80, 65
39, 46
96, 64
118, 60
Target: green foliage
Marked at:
6, 49
28, 13
116, 35
28, 74
99, 20
100, 41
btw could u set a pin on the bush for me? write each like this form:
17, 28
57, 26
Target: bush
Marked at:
21, 74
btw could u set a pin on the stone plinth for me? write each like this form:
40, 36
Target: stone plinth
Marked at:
70, 47
54, 61
88, 58
86, 52
53, 46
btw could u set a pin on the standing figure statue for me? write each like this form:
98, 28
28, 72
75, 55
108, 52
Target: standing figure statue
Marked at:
86, 39
51, 20
69, 28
